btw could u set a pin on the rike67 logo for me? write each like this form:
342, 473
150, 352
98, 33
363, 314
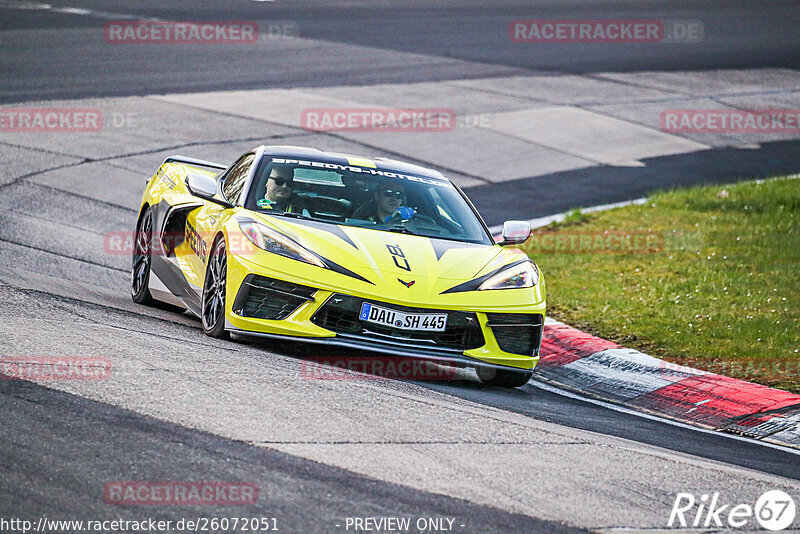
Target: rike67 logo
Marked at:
773, 510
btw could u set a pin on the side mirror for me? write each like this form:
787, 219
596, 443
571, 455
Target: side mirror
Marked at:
515, 232
204, 187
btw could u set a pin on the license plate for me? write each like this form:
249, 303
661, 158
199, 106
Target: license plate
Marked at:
428, 322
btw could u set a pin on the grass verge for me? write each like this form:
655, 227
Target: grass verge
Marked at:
707, 277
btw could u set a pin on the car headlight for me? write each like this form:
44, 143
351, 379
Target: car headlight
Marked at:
268, 239
517, 276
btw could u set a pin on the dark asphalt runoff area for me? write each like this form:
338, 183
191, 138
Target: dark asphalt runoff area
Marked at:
58, 451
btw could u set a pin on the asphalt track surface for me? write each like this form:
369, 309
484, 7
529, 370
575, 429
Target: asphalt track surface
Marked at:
73, 439
183, 407
461, 35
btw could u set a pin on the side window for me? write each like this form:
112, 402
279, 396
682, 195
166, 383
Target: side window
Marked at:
236, 177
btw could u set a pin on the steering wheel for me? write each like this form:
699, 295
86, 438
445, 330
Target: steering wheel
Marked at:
426, 223
423, 218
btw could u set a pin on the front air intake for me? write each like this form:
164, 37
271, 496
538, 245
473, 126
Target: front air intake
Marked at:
517, 333
267, 298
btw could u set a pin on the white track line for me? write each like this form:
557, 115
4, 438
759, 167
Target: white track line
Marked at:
73, 11
558, 217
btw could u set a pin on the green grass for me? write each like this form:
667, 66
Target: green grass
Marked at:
574, 217
721, 290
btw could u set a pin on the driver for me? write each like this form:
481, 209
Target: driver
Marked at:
389, 199
279, 192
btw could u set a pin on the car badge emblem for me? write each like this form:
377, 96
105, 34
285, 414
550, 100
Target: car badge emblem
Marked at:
407, 284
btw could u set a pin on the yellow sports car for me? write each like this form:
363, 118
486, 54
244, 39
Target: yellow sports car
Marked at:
372, 254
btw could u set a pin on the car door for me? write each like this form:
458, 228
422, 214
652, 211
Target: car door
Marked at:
202, 224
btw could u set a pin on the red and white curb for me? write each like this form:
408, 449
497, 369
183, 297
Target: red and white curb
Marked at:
579, 362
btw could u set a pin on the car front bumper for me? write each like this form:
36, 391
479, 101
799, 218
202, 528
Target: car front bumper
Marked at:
300, 323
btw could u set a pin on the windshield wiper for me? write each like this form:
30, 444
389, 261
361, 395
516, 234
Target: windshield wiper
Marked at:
400, 230
294, 215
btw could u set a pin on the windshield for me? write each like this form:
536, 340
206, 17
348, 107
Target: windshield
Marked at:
366, 198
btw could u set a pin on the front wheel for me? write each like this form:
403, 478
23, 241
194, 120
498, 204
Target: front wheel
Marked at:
503, 378
142, 258
213, 301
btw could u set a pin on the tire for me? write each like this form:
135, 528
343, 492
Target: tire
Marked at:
503, 378
212, 304
142, 260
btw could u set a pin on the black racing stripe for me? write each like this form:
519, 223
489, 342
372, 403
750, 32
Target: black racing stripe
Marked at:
440, 246
332, 265
473, 285
335, 267
331, 228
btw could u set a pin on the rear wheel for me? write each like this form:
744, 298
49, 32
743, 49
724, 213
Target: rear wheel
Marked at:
213, 301
503, 378
142, 259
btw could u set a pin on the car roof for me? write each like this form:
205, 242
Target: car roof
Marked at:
387, 164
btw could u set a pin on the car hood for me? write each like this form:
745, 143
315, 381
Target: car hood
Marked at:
377, 255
